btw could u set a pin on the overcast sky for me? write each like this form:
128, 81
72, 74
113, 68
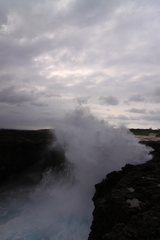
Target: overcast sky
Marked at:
56, 55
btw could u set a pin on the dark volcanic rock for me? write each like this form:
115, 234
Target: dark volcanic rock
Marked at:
28, 153
127, 202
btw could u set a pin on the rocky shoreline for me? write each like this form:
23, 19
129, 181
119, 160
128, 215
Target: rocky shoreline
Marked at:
127, 202
27, 154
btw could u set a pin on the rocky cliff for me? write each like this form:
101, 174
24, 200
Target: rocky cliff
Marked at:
28, 153
127, 202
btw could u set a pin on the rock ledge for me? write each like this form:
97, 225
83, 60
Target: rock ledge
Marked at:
127, 202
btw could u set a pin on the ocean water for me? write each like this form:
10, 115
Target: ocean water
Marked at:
60, 206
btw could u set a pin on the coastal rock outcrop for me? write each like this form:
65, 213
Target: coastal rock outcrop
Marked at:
127, 202
28, 153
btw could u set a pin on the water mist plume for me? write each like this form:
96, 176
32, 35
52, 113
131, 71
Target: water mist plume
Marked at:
61, 209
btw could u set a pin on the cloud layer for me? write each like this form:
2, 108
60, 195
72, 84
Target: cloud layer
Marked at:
101, 54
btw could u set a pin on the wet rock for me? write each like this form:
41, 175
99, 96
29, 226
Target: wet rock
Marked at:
127, 202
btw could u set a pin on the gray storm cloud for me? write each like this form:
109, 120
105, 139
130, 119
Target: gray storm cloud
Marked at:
136, 98
9, 95
110, 100
82, 100
135, 110
157, 91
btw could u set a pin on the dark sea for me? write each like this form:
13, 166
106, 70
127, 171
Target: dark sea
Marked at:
60, 206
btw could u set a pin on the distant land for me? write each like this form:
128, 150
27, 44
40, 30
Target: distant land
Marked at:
145, 132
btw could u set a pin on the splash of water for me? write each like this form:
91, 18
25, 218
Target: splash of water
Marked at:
62, 209
95, 147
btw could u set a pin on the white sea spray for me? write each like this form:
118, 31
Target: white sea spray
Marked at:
61, 209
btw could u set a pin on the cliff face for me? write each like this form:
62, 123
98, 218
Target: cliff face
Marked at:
28, 153
127, 202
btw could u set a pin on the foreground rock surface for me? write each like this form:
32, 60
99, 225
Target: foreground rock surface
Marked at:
127, 202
